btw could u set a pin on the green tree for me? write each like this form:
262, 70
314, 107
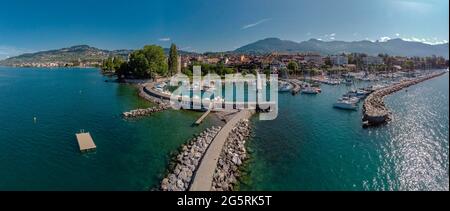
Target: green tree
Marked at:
228, 70
409, 65
108, 64
173, 60
156, 59
267, 72
139, 65
117, 62
328, 62
187, 72
123, 71
292, 67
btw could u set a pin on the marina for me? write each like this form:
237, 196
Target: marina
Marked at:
306, 116
241, 96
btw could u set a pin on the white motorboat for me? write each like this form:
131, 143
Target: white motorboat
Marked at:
348, 82
345, 105
285, 87
310, 90
350, 99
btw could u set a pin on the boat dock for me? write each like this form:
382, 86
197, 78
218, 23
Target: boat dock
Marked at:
85, 142
200, 120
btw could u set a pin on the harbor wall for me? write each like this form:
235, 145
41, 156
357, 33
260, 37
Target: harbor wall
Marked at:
374, 110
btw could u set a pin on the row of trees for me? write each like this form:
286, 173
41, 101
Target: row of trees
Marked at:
112, 64
145, 63
151, 61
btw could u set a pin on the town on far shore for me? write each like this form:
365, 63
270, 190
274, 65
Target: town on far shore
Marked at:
309, 63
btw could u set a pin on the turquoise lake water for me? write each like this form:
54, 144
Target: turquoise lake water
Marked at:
310, 146
130, 155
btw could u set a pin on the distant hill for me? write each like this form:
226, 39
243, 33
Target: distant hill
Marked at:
84, 53
395, 47
71, 54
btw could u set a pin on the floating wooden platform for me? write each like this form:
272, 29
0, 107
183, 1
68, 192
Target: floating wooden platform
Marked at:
85, 142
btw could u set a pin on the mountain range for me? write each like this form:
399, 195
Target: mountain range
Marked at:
395, 47
65, 55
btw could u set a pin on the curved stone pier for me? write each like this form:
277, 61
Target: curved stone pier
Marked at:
233, 156
187, 161
374, 109
203, 177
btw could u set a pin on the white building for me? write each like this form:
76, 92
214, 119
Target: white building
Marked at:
339, 60
373, 60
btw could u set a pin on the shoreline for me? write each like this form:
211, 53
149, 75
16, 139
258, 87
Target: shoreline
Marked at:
374, 110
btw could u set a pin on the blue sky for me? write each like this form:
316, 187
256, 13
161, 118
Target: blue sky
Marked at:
213, 25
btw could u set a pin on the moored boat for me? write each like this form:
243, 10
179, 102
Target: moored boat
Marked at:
285, 87
310, 90
345, 105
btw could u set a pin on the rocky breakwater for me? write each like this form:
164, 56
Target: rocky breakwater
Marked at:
231, 158
374, 109
186, 162
145, 111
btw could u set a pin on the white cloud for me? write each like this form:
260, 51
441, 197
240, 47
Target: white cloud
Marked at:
164, 39
330, 36
430, 41
186, 48
255, 24
384, 39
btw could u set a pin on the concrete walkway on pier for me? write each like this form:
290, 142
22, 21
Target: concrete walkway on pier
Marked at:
203, 177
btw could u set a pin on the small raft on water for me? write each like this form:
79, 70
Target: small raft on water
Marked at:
85, 142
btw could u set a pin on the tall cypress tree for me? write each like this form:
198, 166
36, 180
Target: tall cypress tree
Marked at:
173, 60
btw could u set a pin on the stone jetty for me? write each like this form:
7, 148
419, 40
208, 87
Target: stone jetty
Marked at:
204, 176
145, 111
187, 161
231, 158
374, 109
